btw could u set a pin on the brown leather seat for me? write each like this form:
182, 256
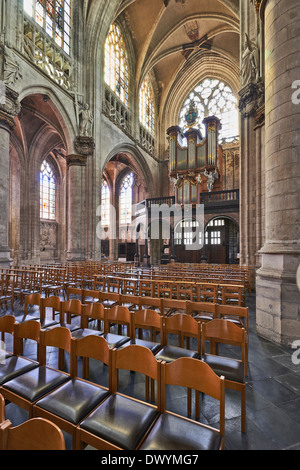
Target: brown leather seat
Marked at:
121, 421
85, 397
12, 366
173, 433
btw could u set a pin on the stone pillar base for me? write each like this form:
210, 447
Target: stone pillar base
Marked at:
278, 296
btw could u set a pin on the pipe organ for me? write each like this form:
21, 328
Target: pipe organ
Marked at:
195, 166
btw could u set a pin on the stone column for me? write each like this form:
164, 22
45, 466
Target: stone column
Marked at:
278, 298
76, 199
9, 107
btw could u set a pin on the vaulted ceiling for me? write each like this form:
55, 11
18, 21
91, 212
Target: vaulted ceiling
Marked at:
179, 41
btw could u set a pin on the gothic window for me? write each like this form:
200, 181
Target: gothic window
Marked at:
116, 64
125, 202
47, 192
54, 16
147, 112
213, 97
105, 204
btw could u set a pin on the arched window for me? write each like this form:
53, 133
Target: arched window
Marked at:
116, 63
213, 97
54, 16
147, 111
105, 204
47, 192
125, 202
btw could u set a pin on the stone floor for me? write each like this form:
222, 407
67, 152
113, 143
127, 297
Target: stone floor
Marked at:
272, 396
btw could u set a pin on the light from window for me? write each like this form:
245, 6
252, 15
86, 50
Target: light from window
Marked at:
126, 200
54, 16
213, 97
116, 64
47, 192
147, 112
105, 204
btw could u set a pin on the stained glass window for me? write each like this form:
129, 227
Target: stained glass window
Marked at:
213, 97
125, 202
105, 204
47, 192
147, 112
54, 16
116, 64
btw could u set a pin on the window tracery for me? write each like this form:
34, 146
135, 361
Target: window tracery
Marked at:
125, 202
146, 102
116, 73
214, 97
47, 192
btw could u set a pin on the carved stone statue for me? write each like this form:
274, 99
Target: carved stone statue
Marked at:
250, 62
86, 121
11, 68
211, 177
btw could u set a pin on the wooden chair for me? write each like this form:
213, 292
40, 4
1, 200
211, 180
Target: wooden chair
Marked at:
36, 299
121, 421
69, 404
13, 365
90, 296
232, 295
6, 291
152, 303
150, 321
7, 324
171, 306
132, 302
25, 389
121, 317
109, 299
173, 432
74, 293
225, 332
92, 312
185, 328
202, 311
207, 292
70, 309
34, 434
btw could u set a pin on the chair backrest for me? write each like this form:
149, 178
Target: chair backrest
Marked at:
32, 299
196, 308
137, 359
71, 306
172, 304
231, 311
223, 331
91, 311
95, 294
147, 319
118, 315
89, 347
34, 434
74, 291
28, 330
2, 409
184, 326
7, 324
58, 337
193, 374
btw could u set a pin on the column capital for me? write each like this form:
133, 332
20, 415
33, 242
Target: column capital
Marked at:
84, 145
252, 98
76, 160
9, 106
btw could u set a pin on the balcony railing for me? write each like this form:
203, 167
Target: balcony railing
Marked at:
232, 196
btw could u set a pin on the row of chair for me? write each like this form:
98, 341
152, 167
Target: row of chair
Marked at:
184, 326
100, 415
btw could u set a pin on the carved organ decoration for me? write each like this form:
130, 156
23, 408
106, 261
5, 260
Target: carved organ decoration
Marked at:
197, 166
